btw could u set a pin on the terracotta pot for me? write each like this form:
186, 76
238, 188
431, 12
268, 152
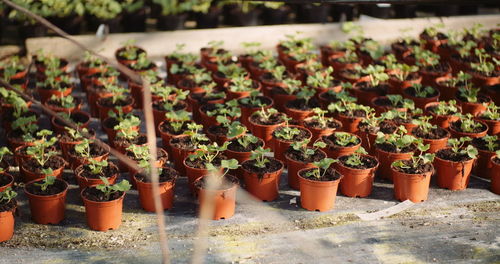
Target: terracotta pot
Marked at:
78, 106
495, 177
368, 141
318, 133
480, 80
47, 209
281, 99
419, 101
317, 195
264, 132
84, 182
103, 216
166, 190
294, 167
178, 156
452, 175
349, 124
396, 86
442, 121
111, 133
46, 94
483, 164
386, 159
60, 129
493, 125
413, 187
206, 120
159, 116
132, 171
240, 157
446, 92
281, 146
356, 182
195, 106
298, 115
19, 155
246, 112
103, 110
166, 137
14, 143
11, 182
224, 201
93, 95
29, 176
76, 161
436, 144
458, 134
429, 78
379, 109
334, 151
194, 174
7, 221
266, 188
472, 108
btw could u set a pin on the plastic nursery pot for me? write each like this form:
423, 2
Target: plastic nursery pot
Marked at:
396, 86
480, 80
365, 97
58, 109
442, 121
483, 164
349, 124
446, 92
166, 137
421, 102
379, 109
104, 110
29, 176
240, 157
103, 216
46, 94
356, 182
317, 195
76, 161
159, 116
294, 167
7, 222
317, 133
473, 108
281, 99
436, 144
264, 132
493, 125
413, 187
47, 209
179, 155
194, 174
458, 134
247, 111
224, 199
386, 159
453, 175
429, 77
368, 141
335, 151
297, 115
84, 182
265, 186
166, 190
495, 175
108, 125
280, 145
80, 116
6, 181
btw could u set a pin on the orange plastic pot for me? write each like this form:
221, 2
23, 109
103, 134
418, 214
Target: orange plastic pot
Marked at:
103, 216
46, 94
386, 159
334, 151
9, 184
442, 121
459, 134
413, 187
396, 86
84, 182
480, 80
76, 161
104, 110
421, 102
224, 201
436, 144
368, 141
166, 137
317, 133
194, 174
453, 175
178, 156
281, 146
264, 132
263, 187
294, 167
493, 126
356, 182
47, 209
7, 222
430, 77
240, 157
298, 115
166, 190
246, 112
349, 124
281, 99
59, 128
483, 166
446, 92
317, 195
495, 176
29, 176
471, 108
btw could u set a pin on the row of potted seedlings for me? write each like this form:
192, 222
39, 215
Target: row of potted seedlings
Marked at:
340, 119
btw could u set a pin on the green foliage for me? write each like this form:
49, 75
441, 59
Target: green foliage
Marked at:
241, 84
286, 132
470, 94
232, 70
141, 63
304, 150
266, 114
377, 74
177, 119
321, 79
298, 48
397, 101
246, 140
416, 161
103, 9
399, 139
7, 195
457, 146
47, 8
47, 181
83, 148
423, 91
492, 112
433, 31
27, 125
127, 128
425, 58
109, 189
4, 151
259, 155
306, 95
65, 101
229, 109
344, 139
119, 93
96, 167
208, 153
403, 70
41, 151
468, 124
322, 168
253, 99
354, 159
446, 108
424, 124
491, 142
373, 48
319, 116
195, 137
172, 96
11, 67
291, 86
12, 98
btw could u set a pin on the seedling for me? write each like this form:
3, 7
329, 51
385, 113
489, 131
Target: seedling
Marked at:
253, 99
119, 93
322, 168
246, 140
377, 74
208, 153
286, 132
446, 108
344, 139
177, 119
306, 151
373, 48
139, 152
229, 110
291, 86
423, 91
47, 181
354, 159
424, 124
319, 116
306, 95
7, 195
234, 129
83, 148
399, 139
299, 49
457, 146
108, 189
241, 84
92, 61
11, 67
397, 101
416, 161
96, 167
42, 151
470, 94
425, 58
141, 63
75, 134
259, 155
126, 129
195, 137
231, 71
492, 112
468, 124
130, 51
433, 31
347, 106
321, 79
491, 142
12, 98
225, 165
266, 114
404, 70
65, 101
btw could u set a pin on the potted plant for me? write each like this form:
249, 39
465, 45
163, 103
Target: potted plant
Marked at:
241, 87
340, 143
495, 176
448, 85
66, 104
436, 137
172, 15
118, 99
284, 136
43, 161
331, 96
322, 80
217, 190
179, 64
166, 176
294, 50
432, 38
347, 60
430, 66
23, 131
208, 96
127, 134
184, 145
84, 151
141, 65
270, 74
196, 163
350, 114
90, 174
4, 163
175, 125
115, 119
226, 73
301, 107
421, 95
261, 174
47, 199
393, 147
173, 99
404, 76
300, 156
413, 176
8, 207
367, 90
106, 12
318, 186
103, 204
80, 118
358, 170
370, 126
320, 125
466, 126
13, 71
454, 164
225, 130
129, 53
56, 83
209, 113
334, 48
264, 122
134, 16
251, 104
72, 137
286, 92
443, 112
492, 118
392, 102
486, 146
240, 148
155, 83
485, 72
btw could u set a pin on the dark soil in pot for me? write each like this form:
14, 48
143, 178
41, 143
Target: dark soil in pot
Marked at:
237, 147
10, 206
297, 156
184, 143
272, 166
166, 127
93, 194
448, 154
95, 150
421, 169
227, 183
332, 124
33, 166
303, 134
58, 187
411, 91
139, 140
481, 144
265, 101
386, 127
367, 162
434, 133
4, 179
200, 164
76, 117
158, 105
108, 102
166, 175
390, 148
330, 175
106, 172
273, 119
456, 126
300, 104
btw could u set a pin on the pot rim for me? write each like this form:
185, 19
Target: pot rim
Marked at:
62, 193
309, 180
355, 169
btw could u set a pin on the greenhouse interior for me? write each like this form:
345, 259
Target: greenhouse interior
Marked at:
213, 131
